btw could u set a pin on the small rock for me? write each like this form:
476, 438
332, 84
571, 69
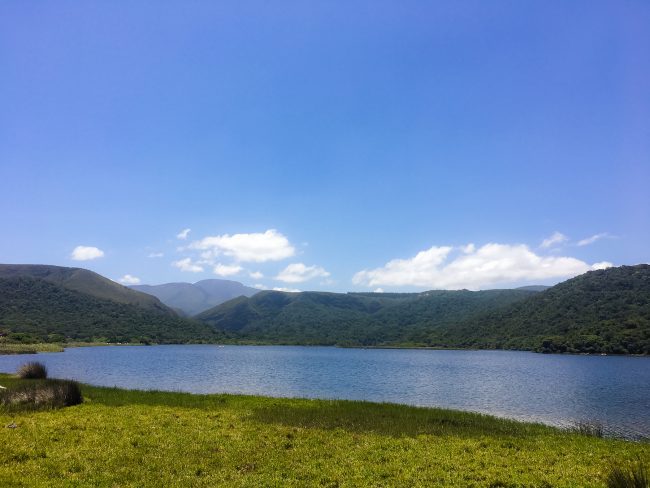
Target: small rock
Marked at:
12, 425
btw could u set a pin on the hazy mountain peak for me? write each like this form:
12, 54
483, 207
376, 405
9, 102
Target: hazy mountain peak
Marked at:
193, 298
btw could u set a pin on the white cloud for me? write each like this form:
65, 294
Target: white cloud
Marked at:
260, 286
226, 270
418, 271
286, 290
553, 240
128, 279
378, 290
486, 266
155, 255
298, 272
592, 239
256, 275
182, 235
86, 253
602, 265
187, 265
255, 247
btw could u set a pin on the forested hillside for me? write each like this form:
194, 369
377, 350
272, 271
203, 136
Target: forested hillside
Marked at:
84, 281
605, 311
33, 309
368, 319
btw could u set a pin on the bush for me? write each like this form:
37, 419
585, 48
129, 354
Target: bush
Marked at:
634, 476
22, 338
70, 393
33, 371
37, 395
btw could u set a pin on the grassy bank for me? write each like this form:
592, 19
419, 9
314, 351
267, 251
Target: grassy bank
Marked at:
131, 438
15, 348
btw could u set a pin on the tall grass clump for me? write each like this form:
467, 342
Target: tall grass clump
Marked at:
33, 371
69, 393
634, 476
41, 395
590, 428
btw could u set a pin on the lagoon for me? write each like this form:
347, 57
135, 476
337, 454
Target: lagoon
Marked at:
557, 390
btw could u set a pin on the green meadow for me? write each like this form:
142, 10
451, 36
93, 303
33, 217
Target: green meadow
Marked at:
18, 348
135, 438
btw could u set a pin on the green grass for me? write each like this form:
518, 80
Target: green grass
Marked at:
15, 348
631, 476
131, 438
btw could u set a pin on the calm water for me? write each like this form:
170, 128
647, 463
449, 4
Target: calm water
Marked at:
553, 389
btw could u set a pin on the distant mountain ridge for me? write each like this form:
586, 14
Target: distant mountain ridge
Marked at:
604, 311
193, 298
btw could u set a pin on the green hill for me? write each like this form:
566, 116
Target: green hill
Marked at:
368, 319
84, 281
606, 311
36, 309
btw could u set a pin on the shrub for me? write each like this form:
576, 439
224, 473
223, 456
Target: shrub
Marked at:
634, 476
46, 394
70, 393
33, 371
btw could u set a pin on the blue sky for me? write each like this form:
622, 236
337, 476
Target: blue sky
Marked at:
326, 145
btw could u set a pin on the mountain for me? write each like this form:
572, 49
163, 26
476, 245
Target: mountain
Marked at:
39, 309
368, 319
194, 298
84, 281
604, 311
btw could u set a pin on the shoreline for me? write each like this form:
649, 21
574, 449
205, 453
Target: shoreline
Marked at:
7, 349
19, 348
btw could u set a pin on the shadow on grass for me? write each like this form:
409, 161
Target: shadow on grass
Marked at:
352, 416
117, 397
390, 419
